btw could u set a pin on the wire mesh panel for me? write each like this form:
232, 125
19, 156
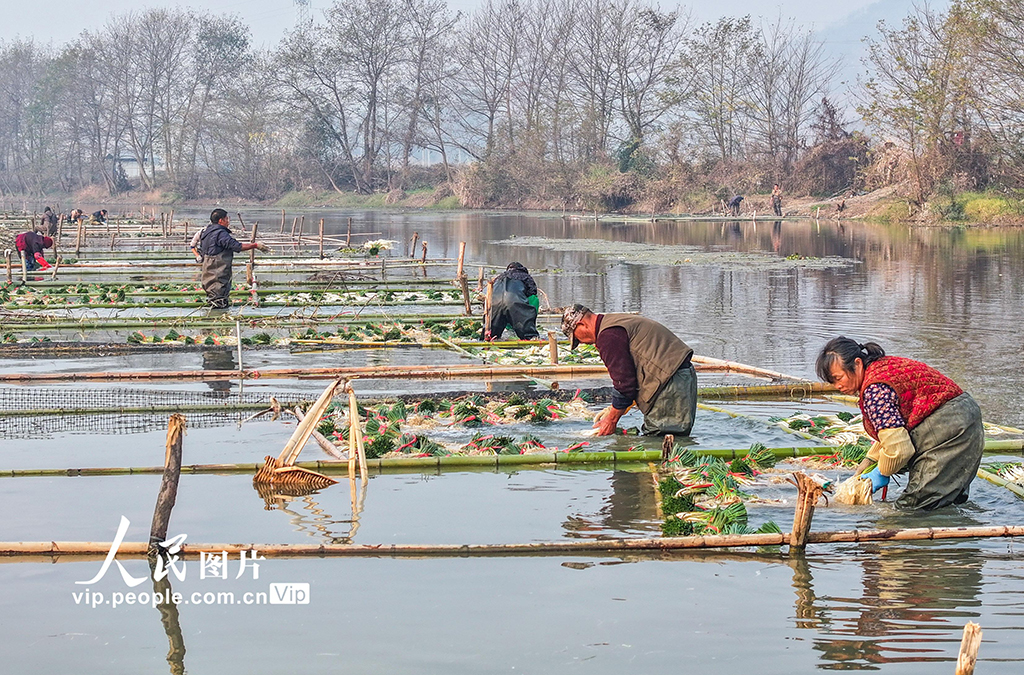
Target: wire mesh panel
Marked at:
116, 424
25, 400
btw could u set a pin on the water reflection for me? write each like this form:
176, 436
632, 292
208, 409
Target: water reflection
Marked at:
912, 605
316, 522
219, 359
629, 509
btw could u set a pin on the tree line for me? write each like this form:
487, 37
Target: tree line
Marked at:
587, 103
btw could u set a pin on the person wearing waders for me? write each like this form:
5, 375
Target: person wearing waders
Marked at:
218, 249
98, 217
514, 303
920, 420
777, 200
648, 364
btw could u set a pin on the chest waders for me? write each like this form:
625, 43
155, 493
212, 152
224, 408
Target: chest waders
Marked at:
217, 278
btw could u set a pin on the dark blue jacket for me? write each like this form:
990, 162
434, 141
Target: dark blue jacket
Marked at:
216, 239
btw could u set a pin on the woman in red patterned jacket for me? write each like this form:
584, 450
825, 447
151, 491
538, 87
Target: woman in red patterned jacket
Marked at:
920, 420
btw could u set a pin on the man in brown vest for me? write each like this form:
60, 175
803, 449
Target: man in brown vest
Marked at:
648, 365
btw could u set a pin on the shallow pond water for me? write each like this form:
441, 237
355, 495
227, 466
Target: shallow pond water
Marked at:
761, 293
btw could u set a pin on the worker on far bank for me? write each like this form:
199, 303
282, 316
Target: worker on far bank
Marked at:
777, 200
30, 247
514, 303
921, 421
734, 204
648, 365
218, 249
99, 217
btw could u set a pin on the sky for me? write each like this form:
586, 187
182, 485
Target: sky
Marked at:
57, 21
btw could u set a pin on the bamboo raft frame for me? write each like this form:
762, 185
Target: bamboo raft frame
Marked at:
542, 548
471, 462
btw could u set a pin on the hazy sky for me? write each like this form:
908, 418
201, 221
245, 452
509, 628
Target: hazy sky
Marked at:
58, 21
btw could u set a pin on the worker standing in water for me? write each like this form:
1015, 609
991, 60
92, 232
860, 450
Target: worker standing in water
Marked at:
218, 248
921, 421
648, 365
514, 303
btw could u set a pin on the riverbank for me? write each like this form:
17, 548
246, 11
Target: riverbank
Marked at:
882, 205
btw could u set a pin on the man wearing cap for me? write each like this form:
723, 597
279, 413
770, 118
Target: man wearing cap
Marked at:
514, 303
648, 365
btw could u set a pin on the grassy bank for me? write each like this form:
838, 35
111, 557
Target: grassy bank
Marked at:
964, 208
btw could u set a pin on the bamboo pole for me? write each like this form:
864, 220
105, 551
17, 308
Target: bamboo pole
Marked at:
169, 485
113, 237
969, 645
353, 431
561, 547
412, 249
23, 255
553, 348
321, 440
348, 235
321, 243
7, 259
487, 310
306, 427
461, 260
997, 480
249, 273
302, 224
282, 221
417, 464
794, 390
424, 258
295, 222
170, 224
79, 236
356, 431
734, 367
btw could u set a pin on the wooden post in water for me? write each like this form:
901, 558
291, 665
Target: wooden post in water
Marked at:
295, 223
24, 266
463, 281
78, 238
487, 310
169, 485
249, 276
60, 227
968, 649
808, 494
170, 224
480, 279
553, 347
302, 224
667, 443
56, 266
7, 256
424, 259
112, 238
412, 249
348, 235
321, 238
282, 221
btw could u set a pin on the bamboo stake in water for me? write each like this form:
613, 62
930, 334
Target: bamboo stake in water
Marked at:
24, 266
78, 238
282, 221
353, 431
238, 336
7, 257
321, 238
348, 235
250, 276
487, 310
553, 347
424, 259
169, 485
969, 645
412, 249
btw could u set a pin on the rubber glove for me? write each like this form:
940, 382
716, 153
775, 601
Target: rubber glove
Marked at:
878, 481
43, 265
263, 248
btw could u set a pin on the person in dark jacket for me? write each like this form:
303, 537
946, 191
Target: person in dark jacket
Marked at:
514, 303
734, 205
49, 222
99, 217
30, 247
648, 365
218, 249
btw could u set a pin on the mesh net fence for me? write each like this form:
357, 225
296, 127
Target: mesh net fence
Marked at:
25, 400
46, 426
